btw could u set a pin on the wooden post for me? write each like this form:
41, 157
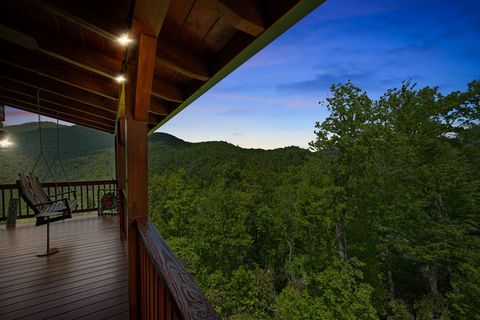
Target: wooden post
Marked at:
137, 102
12, 213
121, 172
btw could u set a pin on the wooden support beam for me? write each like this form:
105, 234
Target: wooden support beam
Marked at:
149, 16
53, 99
143, 84
137, 101
53, 114
165, 90
120, 161
53, 108
53, 69
245, 15
15, 74
182, 61
147, 21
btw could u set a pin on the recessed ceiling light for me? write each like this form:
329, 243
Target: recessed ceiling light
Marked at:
124, 39
121, 78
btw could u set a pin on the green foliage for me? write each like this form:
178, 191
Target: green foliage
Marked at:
465, 296
399, 311
432, 307
335, 293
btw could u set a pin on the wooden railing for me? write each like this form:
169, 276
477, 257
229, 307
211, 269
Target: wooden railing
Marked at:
167, 290
87, 194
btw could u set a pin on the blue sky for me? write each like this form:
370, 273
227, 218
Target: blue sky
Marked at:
272, 100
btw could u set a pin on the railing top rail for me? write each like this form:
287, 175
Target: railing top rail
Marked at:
63, 183
191, 302
79, 183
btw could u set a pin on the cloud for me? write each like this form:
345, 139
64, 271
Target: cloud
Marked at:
12, 112
410, 49
323, 81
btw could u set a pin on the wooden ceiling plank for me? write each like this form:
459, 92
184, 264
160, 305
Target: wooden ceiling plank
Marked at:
60, 47
154, 118
231, 50
107, 74
53, 99
60, 109
163, 89
158, 107
80, 55
15, 74
51, 68
182, 61
245, 15
60, 116
82, 18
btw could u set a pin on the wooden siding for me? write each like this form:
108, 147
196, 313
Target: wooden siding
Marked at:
87, 279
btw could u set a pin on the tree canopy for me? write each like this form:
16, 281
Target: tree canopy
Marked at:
379, 220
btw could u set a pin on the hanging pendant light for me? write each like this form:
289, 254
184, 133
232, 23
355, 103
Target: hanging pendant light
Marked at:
4, 142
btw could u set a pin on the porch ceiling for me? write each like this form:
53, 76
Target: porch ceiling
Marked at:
68, 51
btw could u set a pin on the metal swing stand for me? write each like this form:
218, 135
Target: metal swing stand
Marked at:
49, 251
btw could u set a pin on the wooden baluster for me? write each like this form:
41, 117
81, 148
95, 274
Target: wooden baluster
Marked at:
89, 206
161, 300
3, 204
155, 296
168, 307
143, 264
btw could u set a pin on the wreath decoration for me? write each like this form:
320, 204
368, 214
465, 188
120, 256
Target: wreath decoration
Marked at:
108, 201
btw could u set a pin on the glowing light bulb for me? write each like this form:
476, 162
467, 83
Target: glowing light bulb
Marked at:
124, 39
5, 143
121, 79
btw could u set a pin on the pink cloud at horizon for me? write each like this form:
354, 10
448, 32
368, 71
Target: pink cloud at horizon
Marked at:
14, 116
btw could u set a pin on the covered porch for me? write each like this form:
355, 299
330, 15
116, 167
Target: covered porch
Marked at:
123, 67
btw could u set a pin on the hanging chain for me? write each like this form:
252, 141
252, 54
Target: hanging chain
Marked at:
39, 121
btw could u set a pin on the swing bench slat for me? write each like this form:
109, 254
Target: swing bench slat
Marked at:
40, 193
33, 194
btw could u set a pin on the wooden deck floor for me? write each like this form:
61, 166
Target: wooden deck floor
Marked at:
87, 279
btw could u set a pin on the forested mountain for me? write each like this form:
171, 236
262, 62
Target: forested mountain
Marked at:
89, 154
379, 220
85, 153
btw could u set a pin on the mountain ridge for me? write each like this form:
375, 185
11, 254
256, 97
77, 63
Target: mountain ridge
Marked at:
88, 154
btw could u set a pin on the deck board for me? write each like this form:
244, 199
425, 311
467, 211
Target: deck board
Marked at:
87, 279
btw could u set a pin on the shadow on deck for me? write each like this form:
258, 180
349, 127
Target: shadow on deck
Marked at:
87, 279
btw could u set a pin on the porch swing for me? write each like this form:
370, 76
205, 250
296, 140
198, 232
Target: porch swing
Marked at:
46, 208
